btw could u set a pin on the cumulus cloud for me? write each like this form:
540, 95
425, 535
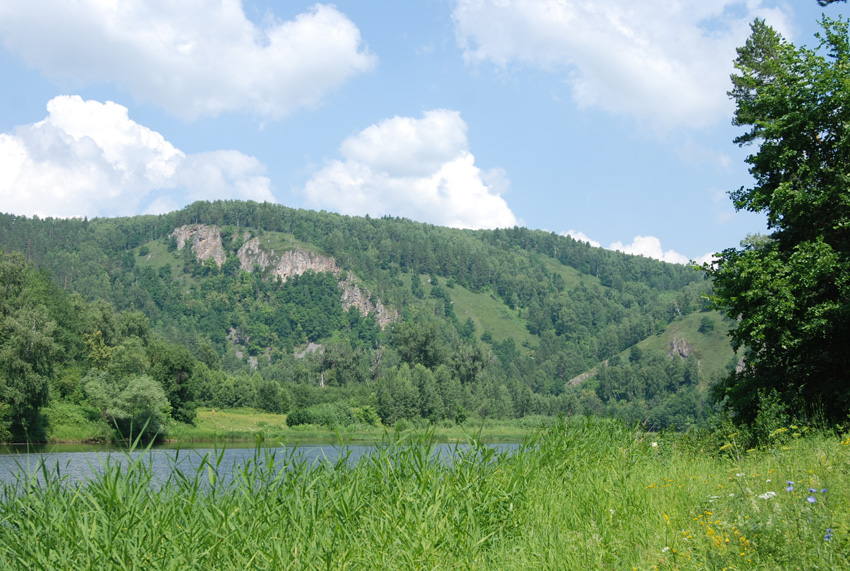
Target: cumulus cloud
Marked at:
647, 246
581, 237
88, 158
662, 61
650, 247
193, 57
415, 168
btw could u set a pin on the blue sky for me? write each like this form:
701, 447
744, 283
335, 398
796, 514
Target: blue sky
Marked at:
605, 120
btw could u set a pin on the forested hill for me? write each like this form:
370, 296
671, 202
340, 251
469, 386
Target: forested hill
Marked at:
494, 322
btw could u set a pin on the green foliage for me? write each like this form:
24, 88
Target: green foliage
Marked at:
172, 367
706, 325
268, 396
789, 291
135, 405
297, 417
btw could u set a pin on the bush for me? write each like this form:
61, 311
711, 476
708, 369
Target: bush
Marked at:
331, 414
297, 417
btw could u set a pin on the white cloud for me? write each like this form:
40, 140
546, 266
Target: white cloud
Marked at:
415, 168
88, 158
192, 57
664, 61
647, 246
705, 259
581, 237
650, 247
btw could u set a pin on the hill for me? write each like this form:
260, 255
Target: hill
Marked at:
282, 308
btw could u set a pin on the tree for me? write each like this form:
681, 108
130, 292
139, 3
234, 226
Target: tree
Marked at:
27, 352
789, 292
133, 404
171, 367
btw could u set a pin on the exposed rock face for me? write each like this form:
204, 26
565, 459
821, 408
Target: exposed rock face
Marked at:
206, 244
290, 263
250, 254
296, 262
353, 296
205, 240
582, 377
680, 347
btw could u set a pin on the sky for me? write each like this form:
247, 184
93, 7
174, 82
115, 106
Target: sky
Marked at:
607, 121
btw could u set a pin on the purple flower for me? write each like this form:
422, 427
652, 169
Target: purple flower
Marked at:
823, 491
811, 499
828, 535
790, 487
813, 491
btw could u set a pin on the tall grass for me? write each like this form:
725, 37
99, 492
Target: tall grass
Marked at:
585, 494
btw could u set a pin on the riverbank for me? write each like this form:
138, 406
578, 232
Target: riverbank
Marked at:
587, 494
75, 424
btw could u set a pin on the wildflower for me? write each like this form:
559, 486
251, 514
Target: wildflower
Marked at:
665, 550
823, 491
767, 495
790, 487
811, 499
813, 491
655, 445
828, 536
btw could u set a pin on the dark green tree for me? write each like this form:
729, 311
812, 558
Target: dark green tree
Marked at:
171, 367
789, 292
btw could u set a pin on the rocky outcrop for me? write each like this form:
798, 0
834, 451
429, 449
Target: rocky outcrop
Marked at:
680, 347
289, 263
205, 241
354, 296
206, 244
295, 262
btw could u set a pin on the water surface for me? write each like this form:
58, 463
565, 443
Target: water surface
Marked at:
79, 462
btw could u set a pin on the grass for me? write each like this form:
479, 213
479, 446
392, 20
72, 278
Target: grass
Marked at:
71, 423
245, 424
489, 314
586, 494
712, 348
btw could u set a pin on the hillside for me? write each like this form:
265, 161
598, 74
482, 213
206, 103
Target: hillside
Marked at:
400, 319
663, 380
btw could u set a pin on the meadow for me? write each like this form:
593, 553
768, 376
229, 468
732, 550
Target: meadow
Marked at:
586, 493
70, 423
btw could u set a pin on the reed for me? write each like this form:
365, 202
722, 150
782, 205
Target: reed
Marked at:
583, 494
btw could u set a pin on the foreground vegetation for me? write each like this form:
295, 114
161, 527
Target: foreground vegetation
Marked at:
585, 494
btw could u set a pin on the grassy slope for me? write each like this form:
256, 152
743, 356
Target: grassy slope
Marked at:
490, 314
713, 349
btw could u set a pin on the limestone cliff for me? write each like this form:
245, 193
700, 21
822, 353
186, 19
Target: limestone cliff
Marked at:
205, 240
206, 243
295, 262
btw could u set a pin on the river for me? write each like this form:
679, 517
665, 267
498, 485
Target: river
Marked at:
76, 463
